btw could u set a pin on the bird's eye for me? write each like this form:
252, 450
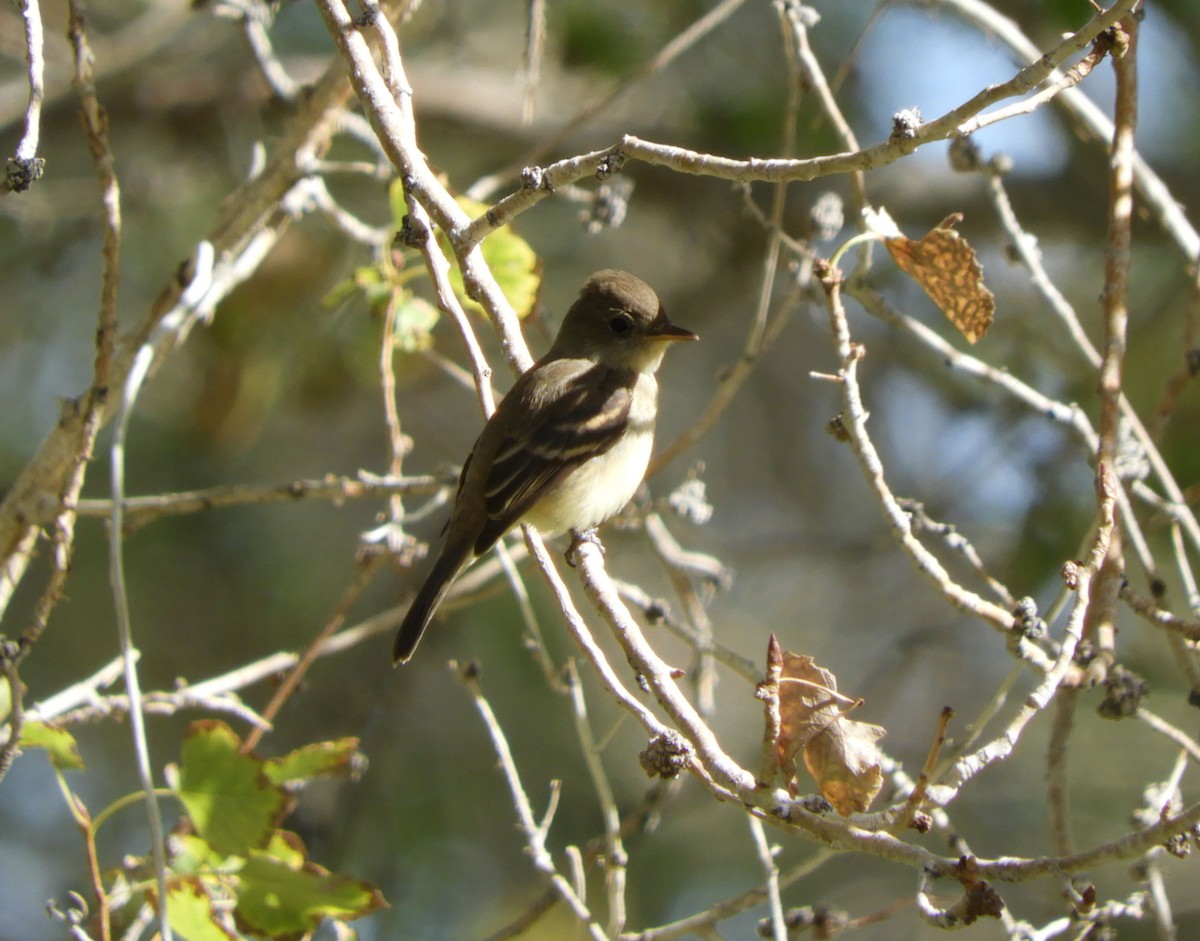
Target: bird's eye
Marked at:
621, 324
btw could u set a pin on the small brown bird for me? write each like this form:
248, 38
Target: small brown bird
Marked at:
569, 444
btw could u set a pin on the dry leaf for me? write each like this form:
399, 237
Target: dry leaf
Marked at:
946, 267
844, 761
840, 753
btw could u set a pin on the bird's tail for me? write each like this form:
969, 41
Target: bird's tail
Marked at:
445, 569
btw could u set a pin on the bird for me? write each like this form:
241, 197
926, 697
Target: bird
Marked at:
568, 446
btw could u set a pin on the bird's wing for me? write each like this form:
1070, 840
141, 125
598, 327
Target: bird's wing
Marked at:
587, 416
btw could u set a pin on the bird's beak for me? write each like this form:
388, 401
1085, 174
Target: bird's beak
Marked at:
665, 330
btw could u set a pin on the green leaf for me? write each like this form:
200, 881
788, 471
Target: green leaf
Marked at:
190, 912
511, 259
5, 698
191, 855
287, 848
285, 901
415, 320
310, 761
396, 201
228, 797
59, 744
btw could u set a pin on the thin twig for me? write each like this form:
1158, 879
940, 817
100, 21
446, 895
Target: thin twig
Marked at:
540, 182
1058, 793
534, 832
367, 571
684, 41
1100, 624
140, 511
1080, 578
916, 796
95, 123
1089, 118
641, 818
1160, 617
245, 230
615, 859
535, 50
766, 859
25, 166
853, 419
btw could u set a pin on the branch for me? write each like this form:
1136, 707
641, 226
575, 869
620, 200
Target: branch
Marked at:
251, 219
25, 167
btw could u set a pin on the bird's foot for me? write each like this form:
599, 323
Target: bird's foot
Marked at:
578, 538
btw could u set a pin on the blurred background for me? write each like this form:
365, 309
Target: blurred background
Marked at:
283, 387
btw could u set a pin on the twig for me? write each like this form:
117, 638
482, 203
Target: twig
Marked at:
1115, 297
917, 796
534, 833
535, 49
1055, 86
853, 419
640, 818
1080, 578
536, 642
82, 700
421, 234
659, 675
656, 611
95, 123
1025, 246
736, 375
685, 40
256, 18
1189, 362
1087, 114
116, 541
615, 859
694, 924
1188, 744
803, 62
697, 624
354, 227
387, 99
140, 511
583, 637
25, 166
245, 230
1160, 617
957, 542
766, 859
539, 182
367, 571
1058, 793
767, 692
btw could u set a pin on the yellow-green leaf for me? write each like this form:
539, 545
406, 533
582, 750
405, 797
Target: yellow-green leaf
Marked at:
191, 855
396, 201
190, 912
310, 761
279, 900
228, 797
415, 320
59, 744
511, 259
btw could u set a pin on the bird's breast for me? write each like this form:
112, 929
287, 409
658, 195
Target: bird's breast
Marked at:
599, 487
596, 489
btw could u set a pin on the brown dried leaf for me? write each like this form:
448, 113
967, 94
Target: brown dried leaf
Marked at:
845, 762
840, 753
946, 267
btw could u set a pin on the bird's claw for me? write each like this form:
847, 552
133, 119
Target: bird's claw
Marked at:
578, 538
